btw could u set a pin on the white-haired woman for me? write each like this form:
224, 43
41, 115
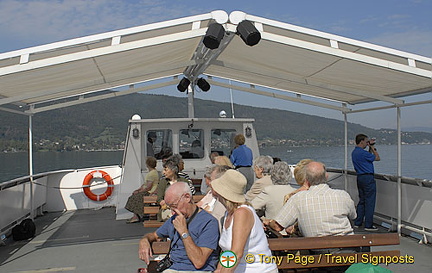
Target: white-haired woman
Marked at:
242, 231
271, 199
170, 177
262, 166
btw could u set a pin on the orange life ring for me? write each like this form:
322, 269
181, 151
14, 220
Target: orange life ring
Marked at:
86, 186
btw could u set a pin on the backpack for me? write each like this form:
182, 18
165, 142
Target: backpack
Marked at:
25, 230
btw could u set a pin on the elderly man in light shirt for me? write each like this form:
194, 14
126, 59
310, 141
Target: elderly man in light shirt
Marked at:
320, 211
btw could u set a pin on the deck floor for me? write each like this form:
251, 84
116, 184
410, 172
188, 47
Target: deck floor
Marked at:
76, 241
93, 241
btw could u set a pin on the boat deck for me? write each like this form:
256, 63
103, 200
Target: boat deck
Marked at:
93, 241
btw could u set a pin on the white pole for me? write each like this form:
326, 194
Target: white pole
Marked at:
30, 137
232, 102
191, 110
399, 171
346, 151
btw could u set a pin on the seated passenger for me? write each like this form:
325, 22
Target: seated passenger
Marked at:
180, 164
271, 199
193, 233
169, 178
223, 160
135, 202
320, 211
242, 231
197, 150
151, 139
203, 188
209, 202
299, 177
262, 166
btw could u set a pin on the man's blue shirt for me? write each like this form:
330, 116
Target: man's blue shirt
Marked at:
204, 231
362, 161
242, 156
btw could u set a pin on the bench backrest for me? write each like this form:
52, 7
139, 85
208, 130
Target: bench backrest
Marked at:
357, 240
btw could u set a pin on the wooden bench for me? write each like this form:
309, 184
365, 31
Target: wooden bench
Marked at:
363, 241
292, 262
151, 209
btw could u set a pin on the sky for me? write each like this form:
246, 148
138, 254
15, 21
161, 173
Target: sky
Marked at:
400, 24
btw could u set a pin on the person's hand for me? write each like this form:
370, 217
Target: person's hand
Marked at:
162, 203
290, 229
144, 251
179, 222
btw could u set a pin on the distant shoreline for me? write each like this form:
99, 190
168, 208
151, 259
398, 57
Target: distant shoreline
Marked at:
260, 145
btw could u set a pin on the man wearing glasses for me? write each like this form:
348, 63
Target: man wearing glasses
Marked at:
194, 234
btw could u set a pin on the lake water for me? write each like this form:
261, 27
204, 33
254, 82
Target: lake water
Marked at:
416, 159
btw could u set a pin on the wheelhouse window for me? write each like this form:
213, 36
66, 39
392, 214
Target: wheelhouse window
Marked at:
191, 143
222, 141
159, 143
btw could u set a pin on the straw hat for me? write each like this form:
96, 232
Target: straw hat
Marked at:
231, 186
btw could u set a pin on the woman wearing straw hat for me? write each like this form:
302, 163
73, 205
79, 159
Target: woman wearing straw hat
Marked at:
242, 231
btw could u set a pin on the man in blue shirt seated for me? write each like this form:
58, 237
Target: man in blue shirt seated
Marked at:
241, 158
194, 233
366, 185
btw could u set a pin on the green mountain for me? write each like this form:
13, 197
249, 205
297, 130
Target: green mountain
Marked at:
103, 124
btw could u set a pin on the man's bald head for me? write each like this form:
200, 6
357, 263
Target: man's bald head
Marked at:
176, 190
315, 173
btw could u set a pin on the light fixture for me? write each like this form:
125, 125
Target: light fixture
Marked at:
135, 133
248, 132
203, 84
248, 32
213, 36
183, 85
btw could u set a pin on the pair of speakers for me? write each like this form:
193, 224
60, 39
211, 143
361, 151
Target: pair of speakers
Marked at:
201, 82
245, 29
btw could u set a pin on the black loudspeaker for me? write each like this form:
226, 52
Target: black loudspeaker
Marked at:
214, 35
203, 84
183, 85
249, 34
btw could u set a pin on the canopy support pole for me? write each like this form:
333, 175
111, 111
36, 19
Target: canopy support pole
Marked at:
30, 154
232, 102
399, 171
346, 150
191, 112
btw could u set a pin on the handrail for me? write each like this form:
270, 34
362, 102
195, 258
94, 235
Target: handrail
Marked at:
27, 178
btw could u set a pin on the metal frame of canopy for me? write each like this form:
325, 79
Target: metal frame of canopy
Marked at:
289, 59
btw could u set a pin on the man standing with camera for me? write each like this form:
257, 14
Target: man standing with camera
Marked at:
194, 235
363, 165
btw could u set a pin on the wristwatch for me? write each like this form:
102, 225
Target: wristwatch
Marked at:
184, 235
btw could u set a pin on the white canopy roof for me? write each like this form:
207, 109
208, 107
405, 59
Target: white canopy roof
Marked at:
291, 59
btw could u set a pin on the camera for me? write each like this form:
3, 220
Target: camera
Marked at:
271, 233
164, 264
371, 141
